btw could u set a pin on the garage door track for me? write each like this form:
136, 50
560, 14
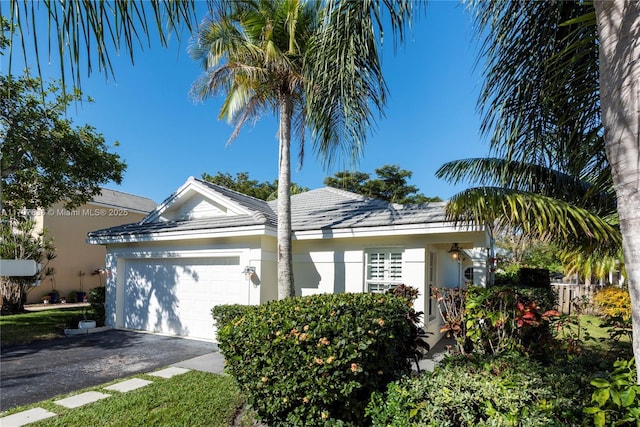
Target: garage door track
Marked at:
41, 370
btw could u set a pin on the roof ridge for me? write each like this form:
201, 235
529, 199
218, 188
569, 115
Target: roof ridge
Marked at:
228, 189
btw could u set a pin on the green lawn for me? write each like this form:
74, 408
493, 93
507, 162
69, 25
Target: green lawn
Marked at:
599, 339
38, 325
191, 399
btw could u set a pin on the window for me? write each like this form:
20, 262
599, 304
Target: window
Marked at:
384, 269
468, 275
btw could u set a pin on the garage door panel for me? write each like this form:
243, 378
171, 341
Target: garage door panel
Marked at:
175, 296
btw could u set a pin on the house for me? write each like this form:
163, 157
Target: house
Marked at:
76, 262
207, 245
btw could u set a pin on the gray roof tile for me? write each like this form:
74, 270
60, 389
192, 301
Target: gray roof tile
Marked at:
324, 208
118, 199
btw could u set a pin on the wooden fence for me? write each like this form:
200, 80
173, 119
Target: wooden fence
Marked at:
570, 292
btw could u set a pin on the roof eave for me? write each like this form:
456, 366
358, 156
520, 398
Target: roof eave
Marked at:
386, 230
163, 236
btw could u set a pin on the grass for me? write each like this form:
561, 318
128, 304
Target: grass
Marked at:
194, 399
31, 326
598, 339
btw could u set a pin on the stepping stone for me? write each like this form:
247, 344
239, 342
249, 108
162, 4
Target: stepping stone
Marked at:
26, 417
81, 399
129, 385
169, 372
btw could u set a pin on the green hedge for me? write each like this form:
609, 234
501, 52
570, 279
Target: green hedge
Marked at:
223, 314
487, 391
316, 360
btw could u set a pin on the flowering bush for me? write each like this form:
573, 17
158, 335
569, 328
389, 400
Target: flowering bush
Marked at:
613, 302
316, 360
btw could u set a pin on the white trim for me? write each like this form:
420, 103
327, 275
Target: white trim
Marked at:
193, 185
384, 230
207, 233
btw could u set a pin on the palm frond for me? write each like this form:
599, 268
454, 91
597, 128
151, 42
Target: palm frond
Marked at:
89, 30
536, 215
520, 176
541, 82
345, 85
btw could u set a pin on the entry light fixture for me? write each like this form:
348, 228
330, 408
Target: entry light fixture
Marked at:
249, 272
455, 251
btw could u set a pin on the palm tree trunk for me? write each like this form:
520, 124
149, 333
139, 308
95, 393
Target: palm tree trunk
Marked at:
285, 258
619, 32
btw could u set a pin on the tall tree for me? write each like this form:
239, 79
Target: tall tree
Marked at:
44, 158
390, 185
265, 56
241, 183
619, 58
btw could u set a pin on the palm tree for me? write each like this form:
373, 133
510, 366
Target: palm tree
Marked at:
568, 71
619, 32
263, 56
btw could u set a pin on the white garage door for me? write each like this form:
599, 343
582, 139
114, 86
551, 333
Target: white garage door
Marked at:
175, 296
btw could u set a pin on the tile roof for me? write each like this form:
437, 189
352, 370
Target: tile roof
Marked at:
251, 203
118, 199
330, 208
324, 208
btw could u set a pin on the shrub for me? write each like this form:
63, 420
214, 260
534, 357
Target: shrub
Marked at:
72, 296
223, 314
501, 320
497, 319
486, 391
617, 397
545, 298
613, 302
314, 361
534, 278
97, 298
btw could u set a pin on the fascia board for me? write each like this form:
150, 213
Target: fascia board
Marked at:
429, 228
257, 230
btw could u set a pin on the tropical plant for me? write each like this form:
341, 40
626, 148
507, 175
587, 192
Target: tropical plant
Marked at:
557, 102
271, 56
616, 399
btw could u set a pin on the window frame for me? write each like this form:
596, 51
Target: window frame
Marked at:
392, 270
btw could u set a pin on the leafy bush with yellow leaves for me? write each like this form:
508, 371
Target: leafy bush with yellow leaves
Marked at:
316, 360
613, 302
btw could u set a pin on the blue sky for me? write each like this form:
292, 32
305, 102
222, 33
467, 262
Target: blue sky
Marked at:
165, 137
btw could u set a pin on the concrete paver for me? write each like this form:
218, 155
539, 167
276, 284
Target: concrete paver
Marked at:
169, 372
129, 385
26, 417
81, 399
212, 362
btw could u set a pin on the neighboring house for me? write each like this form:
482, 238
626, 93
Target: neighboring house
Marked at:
207, 245
76, 261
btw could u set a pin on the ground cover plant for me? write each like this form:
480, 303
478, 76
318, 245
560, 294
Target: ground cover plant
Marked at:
507, 390
191, 399
580, 374
31, 326
315, 361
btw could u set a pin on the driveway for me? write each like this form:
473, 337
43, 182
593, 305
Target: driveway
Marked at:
39, 371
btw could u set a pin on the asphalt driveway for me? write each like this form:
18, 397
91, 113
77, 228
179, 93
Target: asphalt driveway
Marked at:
39, 371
